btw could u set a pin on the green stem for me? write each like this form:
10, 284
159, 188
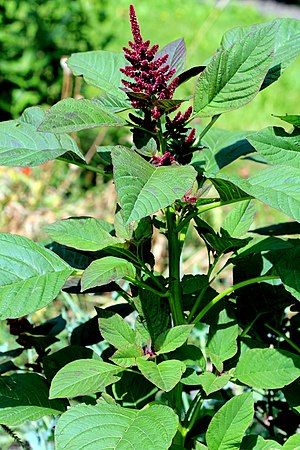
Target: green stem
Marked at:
208, 127
174, 246
143, 285
192, 414
283, 336
84, 166
228, 291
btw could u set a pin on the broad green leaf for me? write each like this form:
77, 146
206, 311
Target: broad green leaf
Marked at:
234, 75
277, 186
55, 361
229, 424
190, 355
112, 103
126, 357
239, 219
31, 276
292, 443
263, 244
288, 268
255, 442
286, 48
277, 146
268, 368
24, 396
221, 147
115, 330
222, 339
22, 145
212, 383
83, 377
227, 190
104, 427
144, 189
83, 233
71, 115
171, 339
164, 375
292, 119
100, 69
104, 270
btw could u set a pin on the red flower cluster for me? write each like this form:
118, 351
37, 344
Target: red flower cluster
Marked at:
151, 76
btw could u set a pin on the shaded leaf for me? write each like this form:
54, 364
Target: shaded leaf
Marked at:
229, 424
288, 268
104, 270
255, 442
31, 276
25, 397
111, 426
177, 55
133, 390
239, 219
268, 368
144, 189
279, 229
292, 119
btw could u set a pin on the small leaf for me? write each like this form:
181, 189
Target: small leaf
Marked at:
134, 391
177, 55
71, 115
255, 442
268, 368
278, 187
239, 219
277, 146
111, 426
164, 375
288, 268
292, 119
171, 339
24, 396
228, 190
234, 75
31, 276
104, 270
82, 233
229, 424
144, 189
100, 69
83, 377
22, 145
211, 383
115, 330
292, 443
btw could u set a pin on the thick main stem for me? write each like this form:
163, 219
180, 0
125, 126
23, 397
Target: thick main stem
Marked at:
174, 245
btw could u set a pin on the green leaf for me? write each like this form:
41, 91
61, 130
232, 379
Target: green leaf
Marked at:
134, 391
144, 189
222, 339
211, 383
100, 69
164, 375
104, 270
83, 377
71, 115
292, 443
286, 48
292, 395
176, 52
277, 146
278, 187
221, 148
126, 357
292, 119
229, 424
22, 145
227, 190
234, 75
268, 368
255, 442
109, 426
239, 219
115, 330
24, 396
288, 268
171, 339
31, 276
83, 233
